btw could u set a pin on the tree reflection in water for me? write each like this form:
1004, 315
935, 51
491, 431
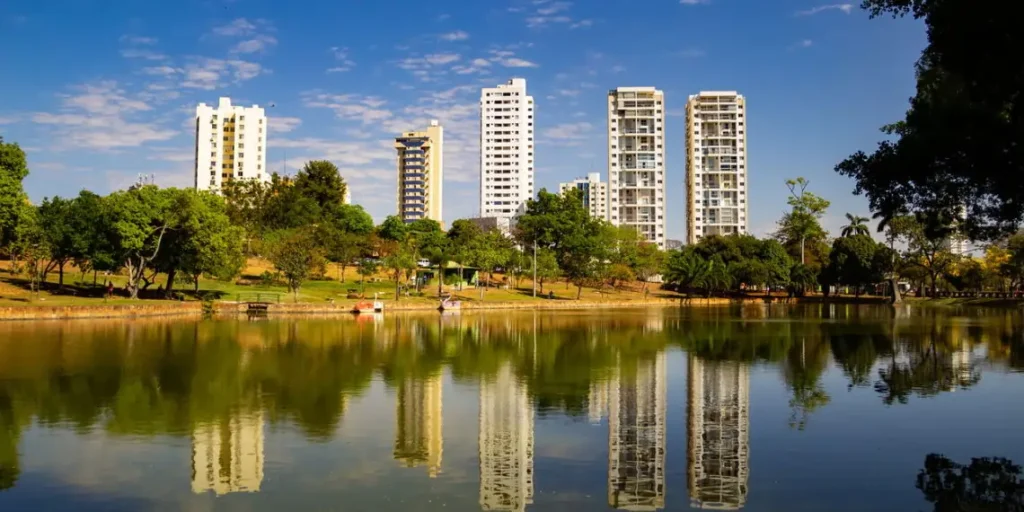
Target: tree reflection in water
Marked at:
986, 484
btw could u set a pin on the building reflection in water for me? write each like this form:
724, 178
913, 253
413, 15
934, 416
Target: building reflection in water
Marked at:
419, 438
636, 436
227, 456
718, 448
505, 443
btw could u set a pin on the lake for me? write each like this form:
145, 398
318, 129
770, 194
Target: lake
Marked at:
782, 408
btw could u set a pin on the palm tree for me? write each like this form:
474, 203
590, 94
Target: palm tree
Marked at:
857, 226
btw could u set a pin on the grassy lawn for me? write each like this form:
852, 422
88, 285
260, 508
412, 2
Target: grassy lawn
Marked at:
14, 290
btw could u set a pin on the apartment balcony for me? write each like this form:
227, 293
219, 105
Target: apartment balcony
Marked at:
414, 175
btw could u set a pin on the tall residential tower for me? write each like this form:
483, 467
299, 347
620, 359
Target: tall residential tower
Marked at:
636, 160
595, 194
716, 165
506, 149
231, 144
420, 173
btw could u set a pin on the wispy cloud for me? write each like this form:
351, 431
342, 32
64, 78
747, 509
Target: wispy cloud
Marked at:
806, 43
283, 124
209, 74
101, 116
236, 28
138, 40
257, 44
694, 2
140, 53
438, 59
568, 134
341, 57
844, 8
457, 35
544, 13
691, 53
508, 59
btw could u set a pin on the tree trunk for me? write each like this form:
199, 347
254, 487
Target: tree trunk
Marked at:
170, 283
95, 275
579, 291
60, 274
398, 277
195, 281
341, 275
802, 260
934, 277
460, 277
440, 281
897, 297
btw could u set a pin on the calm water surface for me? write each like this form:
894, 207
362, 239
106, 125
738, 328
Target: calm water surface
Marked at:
840, 408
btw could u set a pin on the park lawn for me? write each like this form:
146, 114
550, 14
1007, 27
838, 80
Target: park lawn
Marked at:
14, 290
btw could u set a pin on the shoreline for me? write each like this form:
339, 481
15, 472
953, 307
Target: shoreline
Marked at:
198, 309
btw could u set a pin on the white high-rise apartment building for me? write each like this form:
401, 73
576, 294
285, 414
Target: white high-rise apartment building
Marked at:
506, 149
231, 144
636, 160
716, 165
595, 194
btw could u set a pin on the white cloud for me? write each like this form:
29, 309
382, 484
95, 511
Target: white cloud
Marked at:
139, 40
441, 58
569, 92
255, 45
457, 35
341, 56
366, 109
544, 13
101, 116
691, 53
694, 2
844, 8
236, 28
806, 43
137, 53
283, 124
508, 59
161, 70
209, 74
617, 69
442, 17
8, 119
568, 134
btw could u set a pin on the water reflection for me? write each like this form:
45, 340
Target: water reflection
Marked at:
505, 443
227, 456
718, 449
226, 386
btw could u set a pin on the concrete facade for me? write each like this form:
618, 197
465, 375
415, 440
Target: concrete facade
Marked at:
231, 144
506, 149
421, 173
636, 161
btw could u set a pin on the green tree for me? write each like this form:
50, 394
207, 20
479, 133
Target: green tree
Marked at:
958, 146
320, 181
927, 246
803, 223
648, 262
287, 207
462, 237
137, 222
857, 226
63, 231
246, 204
801, 278
367, 268
343, 248
393, 229
13, 169
350, 218
685, 269
547, 267
399, 261
297, 255
852, 262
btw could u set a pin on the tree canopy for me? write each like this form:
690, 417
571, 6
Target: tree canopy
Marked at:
957, 152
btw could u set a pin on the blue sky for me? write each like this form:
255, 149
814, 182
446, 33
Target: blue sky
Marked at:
98, 91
